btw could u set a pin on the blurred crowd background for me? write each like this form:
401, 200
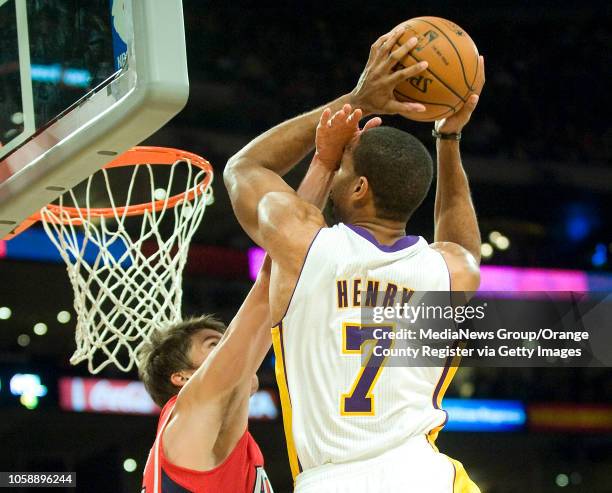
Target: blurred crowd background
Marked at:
538, 152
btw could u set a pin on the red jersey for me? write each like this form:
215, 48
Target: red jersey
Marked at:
241, 472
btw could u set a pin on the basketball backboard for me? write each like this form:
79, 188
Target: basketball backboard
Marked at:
81, 81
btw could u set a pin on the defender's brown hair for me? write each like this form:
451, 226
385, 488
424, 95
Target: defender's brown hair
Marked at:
168, 353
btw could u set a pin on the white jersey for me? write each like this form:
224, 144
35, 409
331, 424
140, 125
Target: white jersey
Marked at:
335, 410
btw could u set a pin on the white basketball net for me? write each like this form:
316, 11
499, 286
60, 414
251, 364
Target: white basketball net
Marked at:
122, 293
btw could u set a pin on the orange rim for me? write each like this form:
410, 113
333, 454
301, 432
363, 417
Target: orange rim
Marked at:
145, 155
135, 156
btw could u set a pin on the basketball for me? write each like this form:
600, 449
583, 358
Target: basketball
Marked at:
452, 73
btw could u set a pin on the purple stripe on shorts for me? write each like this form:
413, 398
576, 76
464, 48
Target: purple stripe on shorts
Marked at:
404, 242
434, 397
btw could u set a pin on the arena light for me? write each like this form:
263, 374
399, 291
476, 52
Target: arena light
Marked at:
493, 236
502, 278
56, 74
256, 258
129, 465
23, 340
34, 244
40, 329
159, 194
486, 250
570, 417
580, 220
466, 389
76, 77
5, 313
187, 210
262, 406
29, 388
29, 401
484, 415
27, 383
51, 74
17, 118
502, 243
600, 255
561, 480
64, 317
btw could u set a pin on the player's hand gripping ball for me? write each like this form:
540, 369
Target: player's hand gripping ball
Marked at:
374, 92
455, 122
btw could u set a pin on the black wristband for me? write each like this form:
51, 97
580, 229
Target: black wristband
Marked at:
438, 135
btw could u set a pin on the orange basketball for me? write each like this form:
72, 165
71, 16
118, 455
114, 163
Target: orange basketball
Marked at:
453, 72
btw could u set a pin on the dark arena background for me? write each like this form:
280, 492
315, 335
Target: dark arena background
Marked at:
538, 153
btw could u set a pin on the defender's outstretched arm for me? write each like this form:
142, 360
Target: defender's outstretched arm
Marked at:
247, 339
216, 395
257, 169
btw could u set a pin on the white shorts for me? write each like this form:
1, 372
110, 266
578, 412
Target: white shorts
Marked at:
414, 466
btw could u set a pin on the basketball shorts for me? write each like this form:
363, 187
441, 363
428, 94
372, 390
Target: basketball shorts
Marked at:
415, 466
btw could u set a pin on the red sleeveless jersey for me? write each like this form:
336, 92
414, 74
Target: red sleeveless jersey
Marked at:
241, 472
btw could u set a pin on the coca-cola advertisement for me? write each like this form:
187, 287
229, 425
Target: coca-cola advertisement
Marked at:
100, 395
105, 396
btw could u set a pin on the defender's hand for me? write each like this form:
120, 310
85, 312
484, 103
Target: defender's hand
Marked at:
374, 90
335, 132
456, 122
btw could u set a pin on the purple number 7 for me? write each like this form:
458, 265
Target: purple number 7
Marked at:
359, 401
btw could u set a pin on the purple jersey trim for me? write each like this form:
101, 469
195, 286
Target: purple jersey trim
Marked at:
401, 244
447, 365
434, 397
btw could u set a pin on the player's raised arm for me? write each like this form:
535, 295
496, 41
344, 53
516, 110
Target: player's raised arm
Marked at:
457, 234
256, 170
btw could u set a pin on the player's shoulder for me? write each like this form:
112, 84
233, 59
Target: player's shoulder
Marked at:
288, 226
280, 207
449, 248
462, 266
285, 217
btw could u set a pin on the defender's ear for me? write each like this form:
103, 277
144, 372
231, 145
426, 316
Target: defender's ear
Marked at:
179, 378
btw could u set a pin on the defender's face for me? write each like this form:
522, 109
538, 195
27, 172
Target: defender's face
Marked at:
203, 343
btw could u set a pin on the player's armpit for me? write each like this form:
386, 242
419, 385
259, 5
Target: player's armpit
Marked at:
191, 434
463, 267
